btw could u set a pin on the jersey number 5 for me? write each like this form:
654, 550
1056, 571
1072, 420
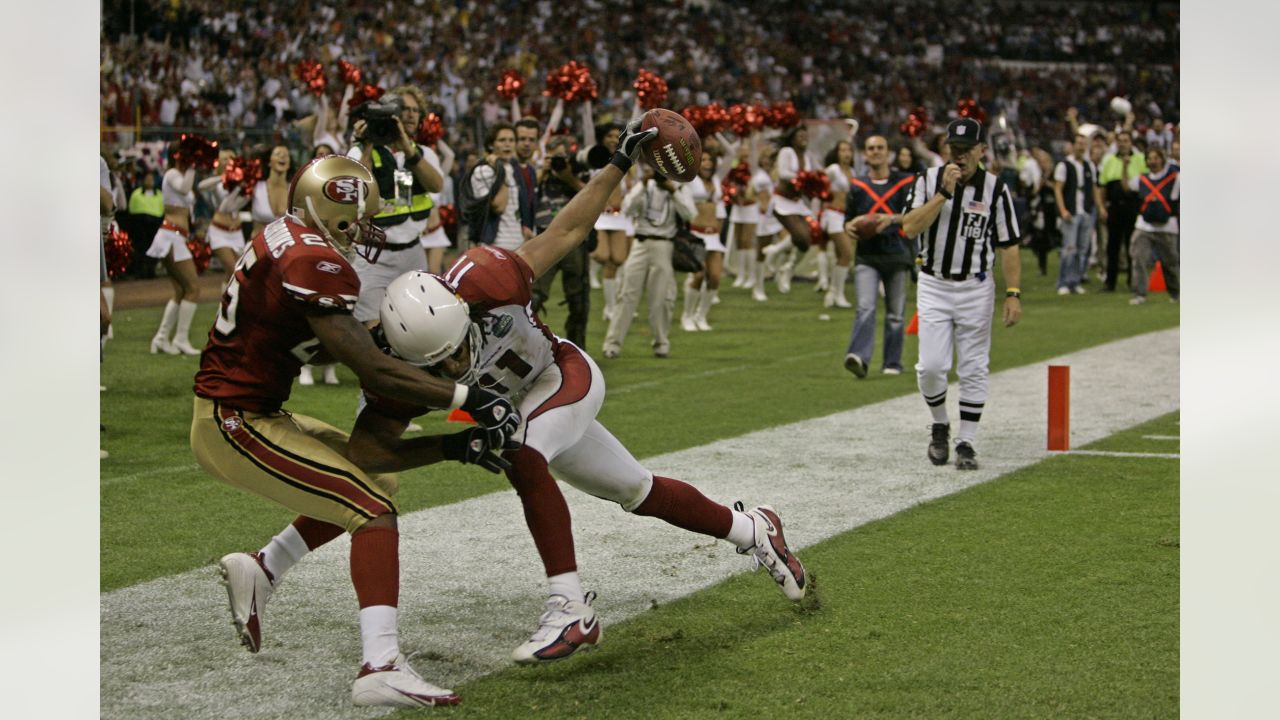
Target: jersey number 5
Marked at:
226, 322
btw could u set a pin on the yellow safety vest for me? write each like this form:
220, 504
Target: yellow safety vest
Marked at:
420, 203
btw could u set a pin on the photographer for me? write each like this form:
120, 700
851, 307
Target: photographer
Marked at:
654, 203
560, 177
406, 173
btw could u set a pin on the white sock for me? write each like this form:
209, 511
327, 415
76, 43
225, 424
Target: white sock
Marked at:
743, 532
168, 320
940, 413
186, 311
968, 431
379, 635
610, 286
824, 267
566, 585
283, 552
690, 299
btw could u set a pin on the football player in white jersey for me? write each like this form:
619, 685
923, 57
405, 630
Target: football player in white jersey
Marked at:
475, 322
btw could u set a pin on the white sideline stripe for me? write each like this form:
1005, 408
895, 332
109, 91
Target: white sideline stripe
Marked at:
1109, 453
169, 470
471, 585
1161, 437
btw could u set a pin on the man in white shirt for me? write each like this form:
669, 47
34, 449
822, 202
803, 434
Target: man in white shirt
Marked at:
1075, 187
654, 205
406, 173
511, 210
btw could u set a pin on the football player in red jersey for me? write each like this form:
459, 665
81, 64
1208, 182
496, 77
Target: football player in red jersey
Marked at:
476, 322
289, 300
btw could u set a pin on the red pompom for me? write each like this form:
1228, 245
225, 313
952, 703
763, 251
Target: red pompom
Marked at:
816, 236
448, 216
917, 120
813, 184
743, 119
430, 130
119, 250
571, 82
350, 73
782, 115
200, 253
311, 73
734, 182
511, 84
197, 150
969, 108
364, 94
651, 90
245, 173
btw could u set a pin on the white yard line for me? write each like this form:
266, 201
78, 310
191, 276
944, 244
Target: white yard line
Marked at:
471, 582
1161, 437
1108, 453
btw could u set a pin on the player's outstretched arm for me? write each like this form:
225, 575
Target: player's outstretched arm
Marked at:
571, 225
349, 343
376, 446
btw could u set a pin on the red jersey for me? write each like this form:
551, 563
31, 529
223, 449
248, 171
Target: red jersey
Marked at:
261, 337
497, 285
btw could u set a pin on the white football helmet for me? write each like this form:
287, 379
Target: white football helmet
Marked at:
338, 197
425, 321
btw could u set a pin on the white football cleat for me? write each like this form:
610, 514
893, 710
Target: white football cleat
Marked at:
305, 377
249, 587
398, 685
331, 375
688, 324
771, 552
783, 278
566, 626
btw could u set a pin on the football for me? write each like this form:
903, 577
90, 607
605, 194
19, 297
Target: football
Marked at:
676, 151
865, 227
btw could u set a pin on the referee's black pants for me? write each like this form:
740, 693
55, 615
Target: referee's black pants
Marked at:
1120, 223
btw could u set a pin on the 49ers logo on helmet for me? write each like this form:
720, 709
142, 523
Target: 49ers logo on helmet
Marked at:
343, 189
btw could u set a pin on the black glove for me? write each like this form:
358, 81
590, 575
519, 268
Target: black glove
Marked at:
494, 414
471, 447
629, 142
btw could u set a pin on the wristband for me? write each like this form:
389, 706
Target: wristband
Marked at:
412, 160
943, 192
460, 393
1013, 292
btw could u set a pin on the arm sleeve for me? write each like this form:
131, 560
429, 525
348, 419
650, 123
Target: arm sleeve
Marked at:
321, 282
1060, 172
488, 277
788, 164
1004, 219
633, 203
919, 191
684, 203
839, 182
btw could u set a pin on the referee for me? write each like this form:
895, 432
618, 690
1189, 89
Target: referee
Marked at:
962, 215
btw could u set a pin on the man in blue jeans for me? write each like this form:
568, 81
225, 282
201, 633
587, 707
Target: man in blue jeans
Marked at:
1076, 189
884, 257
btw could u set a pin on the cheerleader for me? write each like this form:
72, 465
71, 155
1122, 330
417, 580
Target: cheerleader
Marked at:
839, 172
701, 288
225, 235
170, 247
271, 195
434, 241
788, 206
744, 219
763, 183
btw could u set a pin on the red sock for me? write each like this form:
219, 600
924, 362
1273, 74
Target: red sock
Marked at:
375, 566
315, 532
684, 506
545, 511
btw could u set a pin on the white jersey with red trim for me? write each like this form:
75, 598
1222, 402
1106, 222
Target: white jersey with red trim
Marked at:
497, 285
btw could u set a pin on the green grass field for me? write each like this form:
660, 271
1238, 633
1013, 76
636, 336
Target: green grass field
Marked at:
1049, 592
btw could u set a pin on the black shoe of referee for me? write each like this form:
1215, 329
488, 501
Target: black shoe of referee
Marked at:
966, 458
938, 446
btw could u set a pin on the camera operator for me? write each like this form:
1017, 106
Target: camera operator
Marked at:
406, 173
560, 177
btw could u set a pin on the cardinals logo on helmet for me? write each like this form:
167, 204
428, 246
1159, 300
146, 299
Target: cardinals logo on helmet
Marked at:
343, 189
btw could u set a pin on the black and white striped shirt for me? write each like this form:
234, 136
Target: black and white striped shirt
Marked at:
961, 242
